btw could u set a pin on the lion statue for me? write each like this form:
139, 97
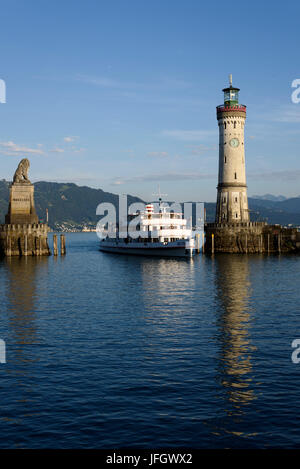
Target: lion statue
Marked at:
21, 174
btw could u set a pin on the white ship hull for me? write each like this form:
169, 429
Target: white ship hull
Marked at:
162, 233
171, 249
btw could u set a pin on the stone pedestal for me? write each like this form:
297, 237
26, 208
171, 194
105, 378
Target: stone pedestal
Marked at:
21, 208
24, 240
22, 234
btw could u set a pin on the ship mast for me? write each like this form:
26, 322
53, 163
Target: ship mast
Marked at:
160, 196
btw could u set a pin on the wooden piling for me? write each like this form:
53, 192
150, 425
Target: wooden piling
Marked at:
197, 243
55, 251
62, 245
212, 243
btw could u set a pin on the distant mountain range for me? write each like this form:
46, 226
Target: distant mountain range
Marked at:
274, 198
283, 212
73, 207
69, 206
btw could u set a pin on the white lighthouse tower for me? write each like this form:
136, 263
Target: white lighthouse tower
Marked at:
232, 201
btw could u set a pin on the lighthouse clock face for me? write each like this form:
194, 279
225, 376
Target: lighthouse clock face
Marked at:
234, 142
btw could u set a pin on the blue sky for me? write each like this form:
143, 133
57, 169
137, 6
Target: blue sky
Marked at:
121, 95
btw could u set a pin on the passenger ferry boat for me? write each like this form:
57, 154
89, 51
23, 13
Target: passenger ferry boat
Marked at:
164, 233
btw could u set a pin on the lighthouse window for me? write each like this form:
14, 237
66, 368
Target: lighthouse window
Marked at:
225, 159
234, 125
236, 215
224, 125
235, 199
234, 175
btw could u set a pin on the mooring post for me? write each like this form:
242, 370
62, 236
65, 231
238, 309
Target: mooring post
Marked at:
55, 252
197, 243
62, 245
212, 243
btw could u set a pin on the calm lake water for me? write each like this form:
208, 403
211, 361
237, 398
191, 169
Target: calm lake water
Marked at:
108, 351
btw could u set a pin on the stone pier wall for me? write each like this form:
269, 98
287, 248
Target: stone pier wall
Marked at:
251, 237
24, 240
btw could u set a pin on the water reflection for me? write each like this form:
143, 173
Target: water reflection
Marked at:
20, 303
167, 285
21, 294
233, 323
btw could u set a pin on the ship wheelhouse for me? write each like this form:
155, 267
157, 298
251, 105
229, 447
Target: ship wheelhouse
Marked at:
163, 226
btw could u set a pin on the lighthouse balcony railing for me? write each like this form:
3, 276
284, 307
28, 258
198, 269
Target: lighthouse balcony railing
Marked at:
236, 107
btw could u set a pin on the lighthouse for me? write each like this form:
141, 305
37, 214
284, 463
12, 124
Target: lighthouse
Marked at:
232, 200
233, 231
